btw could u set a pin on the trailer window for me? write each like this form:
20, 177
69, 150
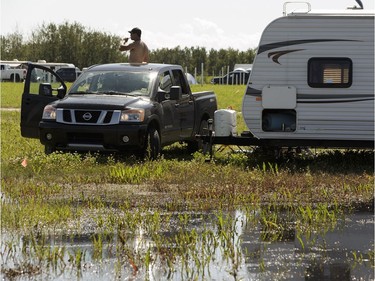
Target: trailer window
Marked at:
330, 72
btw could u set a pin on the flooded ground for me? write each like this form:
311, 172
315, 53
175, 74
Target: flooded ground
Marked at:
207, 246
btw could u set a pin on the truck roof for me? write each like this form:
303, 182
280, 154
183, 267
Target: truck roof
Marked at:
134, 67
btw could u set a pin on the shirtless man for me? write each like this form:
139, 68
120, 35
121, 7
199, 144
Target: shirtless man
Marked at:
138, 49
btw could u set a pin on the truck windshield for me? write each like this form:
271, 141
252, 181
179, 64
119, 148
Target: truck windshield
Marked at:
113, 82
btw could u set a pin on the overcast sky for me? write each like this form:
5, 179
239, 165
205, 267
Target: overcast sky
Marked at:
165, 23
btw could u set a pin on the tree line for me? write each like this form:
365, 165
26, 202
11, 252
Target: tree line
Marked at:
74, 43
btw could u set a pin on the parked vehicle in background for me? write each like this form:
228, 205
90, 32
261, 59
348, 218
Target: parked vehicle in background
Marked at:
68, 74
9, 73
116, 108
236, 77
191, 79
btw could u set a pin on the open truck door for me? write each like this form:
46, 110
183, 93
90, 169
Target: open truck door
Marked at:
42, 86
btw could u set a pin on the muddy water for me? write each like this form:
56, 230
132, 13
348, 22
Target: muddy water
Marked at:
250, 253
320, 256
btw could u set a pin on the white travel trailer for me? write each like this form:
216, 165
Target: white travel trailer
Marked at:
312, 81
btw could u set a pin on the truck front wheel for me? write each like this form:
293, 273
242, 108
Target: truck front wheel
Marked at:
48, 149
152, 148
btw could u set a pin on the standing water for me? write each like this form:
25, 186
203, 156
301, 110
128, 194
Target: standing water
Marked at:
202, 246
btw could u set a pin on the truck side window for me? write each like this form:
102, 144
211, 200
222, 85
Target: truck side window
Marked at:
165, 81
330, 72
42, 82
179, 80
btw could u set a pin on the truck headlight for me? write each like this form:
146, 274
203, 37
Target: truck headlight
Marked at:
49, 112
132, 115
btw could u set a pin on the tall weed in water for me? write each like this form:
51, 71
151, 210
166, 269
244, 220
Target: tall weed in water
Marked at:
134, 174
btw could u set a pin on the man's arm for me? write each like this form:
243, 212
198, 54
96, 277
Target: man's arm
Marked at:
126, 47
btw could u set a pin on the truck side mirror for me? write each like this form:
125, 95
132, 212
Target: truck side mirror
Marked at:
45, 89
176, 93
61, 92
162, 96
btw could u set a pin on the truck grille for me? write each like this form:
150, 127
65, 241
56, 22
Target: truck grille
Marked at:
88, 117
83, 116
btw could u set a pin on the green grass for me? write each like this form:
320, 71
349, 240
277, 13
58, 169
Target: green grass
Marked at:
228, 96
11, 94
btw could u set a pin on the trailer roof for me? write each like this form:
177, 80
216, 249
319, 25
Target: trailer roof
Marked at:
348, 13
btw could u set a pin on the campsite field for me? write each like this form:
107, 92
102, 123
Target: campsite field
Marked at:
109, 199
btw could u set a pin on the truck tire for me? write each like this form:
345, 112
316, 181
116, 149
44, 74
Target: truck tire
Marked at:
152, 148
48, 149
18, 79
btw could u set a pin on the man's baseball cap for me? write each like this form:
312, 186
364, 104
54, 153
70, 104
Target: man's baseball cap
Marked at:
136, 30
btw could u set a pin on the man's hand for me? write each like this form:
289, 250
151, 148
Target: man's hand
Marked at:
123, 47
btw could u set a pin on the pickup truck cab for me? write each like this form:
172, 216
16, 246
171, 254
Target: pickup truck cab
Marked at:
115, 107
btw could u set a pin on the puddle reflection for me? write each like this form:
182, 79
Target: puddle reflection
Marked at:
210, 247
328, 256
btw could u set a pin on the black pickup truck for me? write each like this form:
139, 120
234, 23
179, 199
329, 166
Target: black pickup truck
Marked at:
115, 107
